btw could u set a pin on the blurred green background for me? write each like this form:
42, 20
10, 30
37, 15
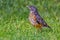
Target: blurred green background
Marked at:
14, 23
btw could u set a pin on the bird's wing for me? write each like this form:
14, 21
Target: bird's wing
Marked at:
40, 20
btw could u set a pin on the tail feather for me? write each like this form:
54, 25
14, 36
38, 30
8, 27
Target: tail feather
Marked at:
47, 26
50, 28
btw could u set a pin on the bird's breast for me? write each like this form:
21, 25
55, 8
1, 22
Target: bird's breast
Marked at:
32, 18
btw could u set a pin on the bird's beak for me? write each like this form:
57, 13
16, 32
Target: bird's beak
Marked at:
27, 6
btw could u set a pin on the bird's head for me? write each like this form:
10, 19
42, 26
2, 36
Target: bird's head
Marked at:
32, 8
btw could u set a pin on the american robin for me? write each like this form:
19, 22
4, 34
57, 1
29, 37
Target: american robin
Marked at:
35, 19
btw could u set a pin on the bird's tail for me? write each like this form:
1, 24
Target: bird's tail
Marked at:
49, 27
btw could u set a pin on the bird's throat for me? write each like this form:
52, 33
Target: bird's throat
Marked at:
34, 12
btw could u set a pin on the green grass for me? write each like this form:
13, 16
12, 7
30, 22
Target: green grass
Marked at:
14, 23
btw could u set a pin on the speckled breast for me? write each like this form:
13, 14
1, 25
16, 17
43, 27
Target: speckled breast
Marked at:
32, 19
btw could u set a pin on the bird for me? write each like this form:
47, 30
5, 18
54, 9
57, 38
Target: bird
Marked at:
35, 19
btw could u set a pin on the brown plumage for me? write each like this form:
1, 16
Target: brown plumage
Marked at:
35, 19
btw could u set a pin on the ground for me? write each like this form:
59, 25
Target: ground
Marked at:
14, 23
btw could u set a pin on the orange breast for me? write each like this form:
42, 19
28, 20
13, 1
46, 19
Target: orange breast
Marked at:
33, 20
32, 16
